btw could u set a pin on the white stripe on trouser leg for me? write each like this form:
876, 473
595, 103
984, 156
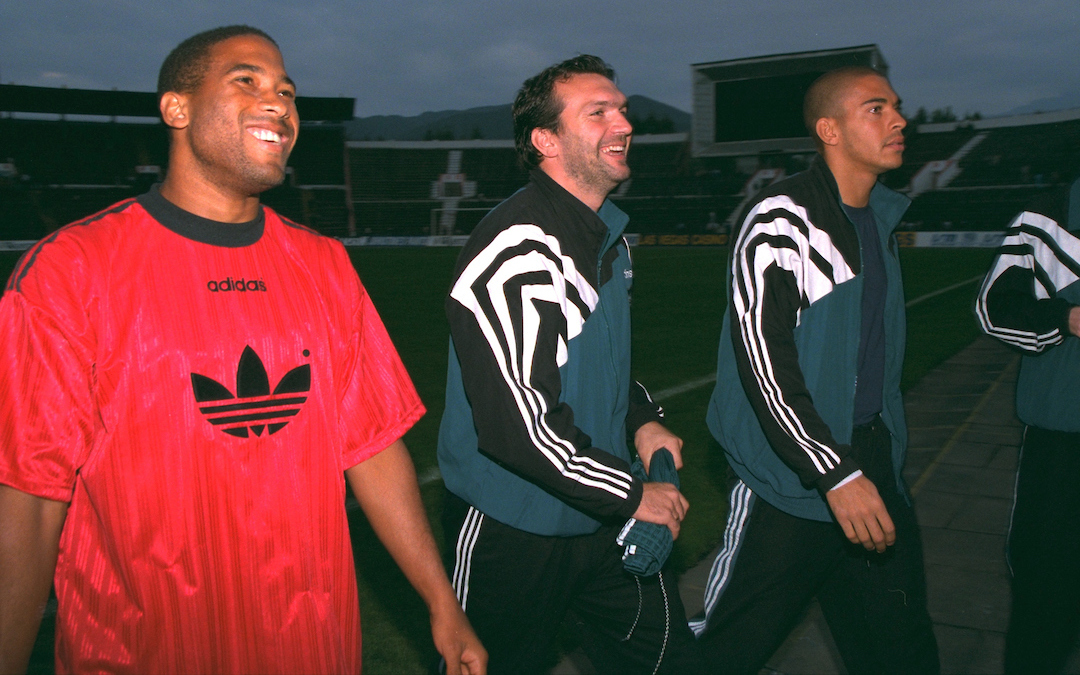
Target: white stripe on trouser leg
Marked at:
1012, 511
720, 574
463, 551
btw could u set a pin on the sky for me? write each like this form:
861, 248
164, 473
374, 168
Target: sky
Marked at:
405, 57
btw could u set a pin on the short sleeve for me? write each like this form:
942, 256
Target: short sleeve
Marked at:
379, 402
46, 399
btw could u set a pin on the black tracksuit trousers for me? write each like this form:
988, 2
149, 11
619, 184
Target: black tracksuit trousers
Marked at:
1044, 554
772, 564
516, 587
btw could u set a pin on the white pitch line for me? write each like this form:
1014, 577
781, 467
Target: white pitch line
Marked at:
432, 475
684, 387
932, 294
429, 476
709, 379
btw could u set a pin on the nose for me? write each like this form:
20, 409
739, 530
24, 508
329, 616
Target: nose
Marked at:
899, 122
274, 103
621, 124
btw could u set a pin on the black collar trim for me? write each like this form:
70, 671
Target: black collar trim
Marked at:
197, 228
596, 224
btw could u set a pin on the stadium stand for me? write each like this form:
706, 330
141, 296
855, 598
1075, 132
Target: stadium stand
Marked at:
64, 155
920, 149
970, 175
1040, 154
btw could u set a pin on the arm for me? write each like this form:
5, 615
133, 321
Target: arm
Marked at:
29, 541
643, 420
777, 272
661, 503
513, 309
385, 486
1018, 302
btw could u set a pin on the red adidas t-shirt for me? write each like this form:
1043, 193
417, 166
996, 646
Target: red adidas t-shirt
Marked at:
195, 390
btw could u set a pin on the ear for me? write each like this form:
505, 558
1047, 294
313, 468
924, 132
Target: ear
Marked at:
174, 111
828, 131
546, 142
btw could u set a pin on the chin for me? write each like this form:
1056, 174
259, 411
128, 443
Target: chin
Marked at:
265, 180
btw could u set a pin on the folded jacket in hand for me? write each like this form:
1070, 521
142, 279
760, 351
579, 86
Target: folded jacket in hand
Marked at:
646, 546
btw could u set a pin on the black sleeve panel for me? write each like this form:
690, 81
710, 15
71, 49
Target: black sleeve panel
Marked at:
1011, 303
768, 364
1019, 302
642, 410
509, 311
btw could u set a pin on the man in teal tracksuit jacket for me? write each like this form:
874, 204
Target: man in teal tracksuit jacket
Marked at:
539, 402
807, 405
1031, 301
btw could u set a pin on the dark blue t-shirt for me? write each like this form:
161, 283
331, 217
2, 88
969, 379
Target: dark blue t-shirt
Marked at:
870, 377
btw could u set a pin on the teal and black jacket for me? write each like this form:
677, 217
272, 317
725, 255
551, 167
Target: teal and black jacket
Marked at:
539, 398
784, 400
1025, 302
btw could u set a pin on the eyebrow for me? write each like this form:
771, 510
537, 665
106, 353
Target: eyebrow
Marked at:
251, 68
607, 103
899, 101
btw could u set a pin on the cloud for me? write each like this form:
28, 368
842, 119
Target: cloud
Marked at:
408, 56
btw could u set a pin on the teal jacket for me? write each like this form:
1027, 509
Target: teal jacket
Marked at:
539, 398
783, 405
1025, 302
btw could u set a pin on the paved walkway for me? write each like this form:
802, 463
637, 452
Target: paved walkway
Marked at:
961, 467
964, 443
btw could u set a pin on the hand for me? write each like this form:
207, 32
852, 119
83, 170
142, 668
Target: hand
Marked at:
862, 515
663, 504
652, 436
456, 642
1074, 321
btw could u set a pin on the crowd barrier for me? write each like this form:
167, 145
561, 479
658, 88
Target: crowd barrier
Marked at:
904, 239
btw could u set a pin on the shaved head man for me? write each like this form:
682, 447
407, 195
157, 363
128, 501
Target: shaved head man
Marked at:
807, 405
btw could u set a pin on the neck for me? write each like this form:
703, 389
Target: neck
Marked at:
188, 186
590, 197
854, 182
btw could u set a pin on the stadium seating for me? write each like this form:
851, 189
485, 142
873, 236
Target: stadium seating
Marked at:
67, 169
319, 158
64, 170
923, 148
1038, 154
969, 209
495, 170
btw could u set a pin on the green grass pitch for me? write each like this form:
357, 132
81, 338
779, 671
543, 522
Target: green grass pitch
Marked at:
677, 307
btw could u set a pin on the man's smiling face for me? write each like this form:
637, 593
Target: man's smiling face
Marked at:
243, 122
594, 134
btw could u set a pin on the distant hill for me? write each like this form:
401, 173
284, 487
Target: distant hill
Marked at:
494, 122
1064, 101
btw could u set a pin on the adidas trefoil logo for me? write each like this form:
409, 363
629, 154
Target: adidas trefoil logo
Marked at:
256, 408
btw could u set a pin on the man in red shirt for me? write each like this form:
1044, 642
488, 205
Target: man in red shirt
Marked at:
186, 376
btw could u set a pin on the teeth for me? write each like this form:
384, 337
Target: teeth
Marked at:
266, 135
615, 148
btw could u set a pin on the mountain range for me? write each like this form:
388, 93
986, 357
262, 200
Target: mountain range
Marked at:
494, 122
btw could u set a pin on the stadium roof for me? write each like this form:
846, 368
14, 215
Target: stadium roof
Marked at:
752, 105
49, 100
772, 64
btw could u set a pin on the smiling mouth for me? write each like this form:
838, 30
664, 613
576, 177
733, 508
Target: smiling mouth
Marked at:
266, 135
615, 149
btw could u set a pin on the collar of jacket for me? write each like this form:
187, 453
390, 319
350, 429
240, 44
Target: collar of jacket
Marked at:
604, 227
888, 204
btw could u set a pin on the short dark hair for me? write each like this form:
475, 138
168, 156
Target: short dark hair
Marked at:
825, 92
537, 107
186, 65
